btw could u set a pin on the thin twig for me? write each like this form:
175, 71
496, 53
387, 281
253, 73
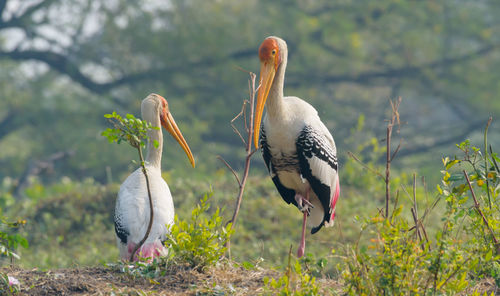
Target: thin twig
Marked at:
350, 154
248, 148
389, 158
388, 168
478, 209
231, 169
414, 210
235, 129
151, 213
486, 160
455, 271
397, 149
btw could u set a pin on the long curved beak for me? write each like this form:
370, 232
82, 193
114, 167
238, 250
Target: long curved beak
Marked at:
169, 124
267, 72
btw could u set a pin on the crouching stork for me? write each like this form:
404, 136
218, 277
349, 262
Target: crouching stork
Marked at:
132, 209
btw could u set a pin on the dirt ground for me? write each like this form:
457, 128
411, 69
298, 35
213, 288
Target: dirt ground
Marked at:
111, 281
218, 281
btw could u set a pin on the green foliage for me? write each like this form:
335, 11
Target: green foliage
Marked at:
478, 223
9, 242
130, 129
295, 281
70, 222
398, 263
404, 259
199, 241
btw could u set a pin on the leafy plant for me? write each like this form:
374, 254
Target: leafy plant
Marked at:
476, 219
295, 281
10, 242
398, 263
199, 241
402, 258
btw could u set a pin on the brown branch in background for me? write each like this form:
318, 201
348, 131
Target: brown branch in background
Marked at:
486, 161
235, 129
230, 169
248, 149
390, 125
478, 209
39, 167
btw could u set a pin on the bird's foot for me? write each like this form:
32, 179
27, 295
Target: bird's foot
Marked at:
303, 203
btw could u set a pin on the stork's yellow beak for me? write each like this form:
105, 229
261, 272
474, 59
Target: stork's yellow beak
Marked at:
169, 124
267, 72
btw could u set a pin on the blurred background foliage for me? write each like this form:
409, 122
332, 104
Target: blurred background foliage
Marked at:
63, 64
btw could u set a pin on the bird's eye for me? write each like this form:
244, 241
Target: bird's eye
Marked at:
273, 52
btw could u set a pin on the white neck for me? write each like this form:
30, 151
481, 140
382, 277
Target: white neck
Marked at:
150, 113
274, 103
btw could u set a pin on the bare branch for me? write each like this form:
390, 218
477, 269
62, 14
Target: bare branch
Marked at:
22, 20
235, 129
230, 168
38, 167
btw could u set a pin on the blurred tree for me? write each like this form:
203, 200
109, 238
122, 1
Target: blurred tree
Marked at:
346, 57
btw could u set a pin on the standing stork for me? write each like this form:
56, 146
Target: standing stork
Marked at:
298, 149
132, 206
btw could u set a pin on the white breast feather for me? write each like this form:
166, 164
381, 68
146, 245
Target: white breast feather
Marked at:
132, 206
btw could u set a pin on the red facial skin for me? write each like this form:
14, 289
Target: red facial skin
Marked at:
269, 51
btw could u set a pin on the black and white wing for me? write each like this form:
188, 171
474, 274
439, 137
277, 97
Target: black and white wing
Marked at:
318, 165
287, 194
121, 232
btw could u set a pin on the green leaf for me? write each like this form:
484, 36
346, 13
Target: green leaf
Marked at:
488, 256
439, 189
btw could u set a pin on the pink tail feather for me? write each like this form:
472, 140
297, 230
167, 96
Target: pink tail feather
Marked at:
336, 195
147, 250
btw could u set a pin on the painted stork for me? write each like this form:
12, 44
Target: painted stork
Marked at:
132, 206
298, 149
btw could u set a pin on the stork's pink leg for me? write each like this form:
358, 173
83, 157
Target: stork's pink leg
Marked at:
302, 245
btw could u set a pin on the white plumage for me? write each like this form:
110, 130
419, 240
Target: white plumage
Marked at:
132, 211
298, 149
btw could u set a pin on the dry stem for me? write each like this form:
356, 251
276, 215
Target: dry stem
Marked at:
389, 157
248, 149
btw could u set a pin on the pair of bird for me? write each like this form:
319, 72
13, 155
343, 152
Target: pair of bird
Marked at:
298, 151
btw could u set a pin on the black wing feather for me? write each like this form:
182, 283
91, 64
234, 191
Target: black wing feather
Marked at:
310, 143
287, 194
121, 231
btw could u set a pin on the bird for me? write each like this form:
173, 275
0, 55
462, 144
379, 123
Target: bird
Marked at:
298, 149
132, 209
